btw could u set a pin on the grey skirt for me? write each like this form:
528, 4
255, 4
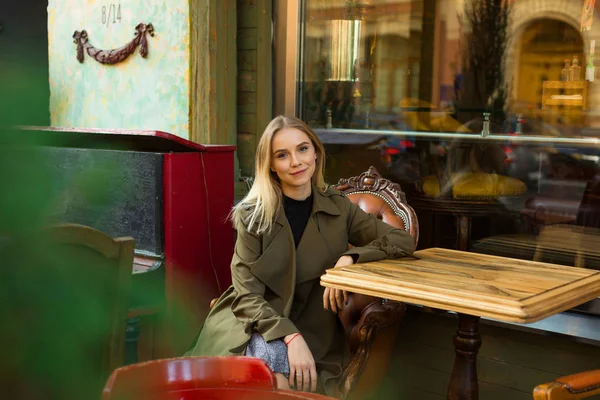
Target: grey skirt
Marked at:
274, 353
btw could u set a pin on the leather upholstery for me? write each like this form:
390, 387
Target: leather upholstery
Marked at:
372, 204
372, 323
351, 314
571, 387
581, 382
359, 303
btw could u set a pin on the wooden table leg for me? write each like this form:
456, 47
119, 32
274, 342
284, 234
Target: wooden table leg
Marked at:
463, 383
464, 232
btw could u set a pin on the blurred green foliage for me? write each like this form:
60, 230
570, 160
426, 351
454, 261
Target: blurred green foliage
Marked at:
51, 318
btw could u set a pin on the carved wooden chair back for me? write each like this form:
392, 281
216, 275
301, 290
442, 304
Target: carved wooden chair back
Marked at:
66, 299
381, 197
372, 323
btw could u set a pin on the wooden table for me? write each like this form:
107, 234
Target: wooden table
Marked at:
472, 285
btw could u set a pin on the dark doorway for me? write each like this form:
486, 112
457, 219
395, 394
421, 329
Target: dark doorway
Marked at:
24, 88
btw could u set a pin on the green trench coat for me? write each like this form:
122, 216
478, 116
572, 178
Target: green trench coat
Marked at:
276, 289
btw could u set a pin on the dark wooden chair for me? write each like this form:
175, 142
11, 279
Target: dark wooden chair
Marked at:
64, 308
198, 378
370, 322
571, 387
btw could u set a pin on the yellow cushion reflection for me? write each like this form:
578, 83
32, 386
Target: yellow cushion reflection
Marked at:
471, 184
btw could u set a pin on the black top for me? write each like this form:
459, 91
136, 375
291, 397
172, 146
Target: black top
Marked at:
297, 213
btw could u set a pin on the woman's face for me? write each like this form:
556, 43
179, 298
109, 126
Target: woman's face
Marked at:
293, 160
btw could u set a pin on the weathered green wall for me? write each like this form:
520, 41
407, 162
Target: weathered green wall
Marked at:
152, 93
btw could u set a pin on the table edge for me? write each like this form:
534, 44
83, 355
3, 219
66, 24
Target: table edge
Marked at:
520, 311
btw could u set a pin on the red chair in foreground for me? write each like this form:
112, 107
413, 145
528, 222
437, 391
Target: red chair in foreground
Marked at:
228, 394
192, 378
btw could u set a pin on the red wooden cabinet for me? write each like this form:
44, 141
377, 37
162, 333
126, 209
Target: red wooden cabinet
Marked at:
172, 195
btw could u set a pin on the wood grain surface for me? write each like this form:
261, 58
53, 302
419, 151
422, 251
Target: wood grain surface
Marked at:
502, 288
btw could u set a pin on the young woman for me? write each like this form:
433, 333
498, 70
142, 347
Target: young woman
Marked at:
291, 228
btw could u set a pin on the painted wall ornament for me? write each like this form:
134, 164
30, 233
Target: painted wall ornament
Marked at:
114, 56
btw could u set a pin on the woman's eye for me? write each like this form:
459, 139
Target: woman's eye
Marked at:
303, 148
281, 155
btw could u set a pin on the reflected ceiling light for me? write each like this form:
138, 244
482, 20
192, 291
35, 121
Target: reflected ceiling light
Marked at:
345, 35
345, 47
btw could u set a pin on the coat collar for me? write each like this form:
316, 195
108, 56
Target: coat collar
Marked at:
322, 203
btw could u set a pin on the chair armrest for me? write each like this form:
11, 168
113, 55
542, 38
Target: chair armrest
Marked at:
362, 318
571, 387
352, 312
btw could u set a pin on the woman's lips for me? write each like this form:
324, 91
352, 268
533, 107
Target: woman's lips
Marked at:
299, 172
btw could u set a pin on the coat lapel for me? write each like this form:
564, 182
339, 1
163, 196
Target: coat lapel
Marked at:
313, 256
276, 267
281, 267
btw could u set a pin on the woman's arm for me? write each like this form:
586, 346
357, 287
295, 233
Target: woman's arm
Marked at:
373, 239
250, 306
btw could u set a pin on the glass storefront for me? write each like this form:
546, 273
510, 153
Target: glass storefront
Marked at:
487, 112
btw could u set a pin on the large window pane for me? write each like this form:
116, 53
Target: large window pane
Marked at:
487, 112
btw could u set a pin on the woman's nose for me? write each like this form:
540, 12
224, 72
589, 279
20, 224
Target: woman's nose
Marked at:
295, 160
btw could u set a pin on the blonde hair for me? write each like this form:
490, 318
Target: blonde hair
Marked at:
261, 205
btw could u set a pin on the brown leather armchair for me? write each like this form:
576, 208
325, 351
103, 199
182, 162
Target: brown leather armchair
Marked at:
571, 387
372, 323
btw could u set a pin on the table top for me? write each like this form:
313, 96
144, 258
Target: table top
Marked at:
501, 288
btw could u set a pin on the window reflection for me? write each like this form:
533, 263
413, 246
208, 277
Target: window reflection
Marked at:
345, 40
487, 112
435, 65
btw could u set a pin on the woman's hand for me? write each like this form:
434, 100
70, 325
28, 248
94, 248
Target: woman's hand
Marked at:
335, 299
303, 371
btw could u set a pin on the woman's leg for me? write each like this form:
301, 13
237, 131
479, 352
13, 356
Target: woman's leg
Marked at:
274, 353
